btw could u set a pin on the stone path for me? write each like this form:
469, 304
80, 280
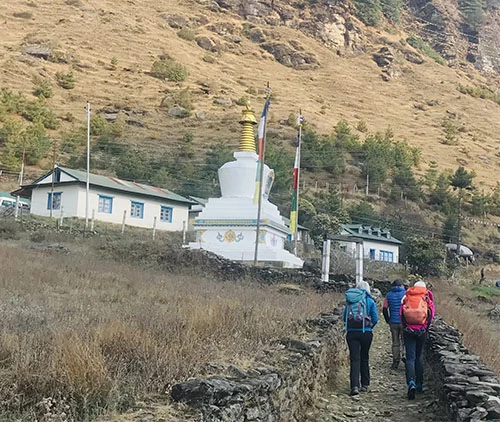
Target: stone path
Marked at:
386, 400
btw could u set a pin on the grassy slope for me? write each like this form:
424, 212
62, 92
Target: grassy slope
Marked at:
346, 87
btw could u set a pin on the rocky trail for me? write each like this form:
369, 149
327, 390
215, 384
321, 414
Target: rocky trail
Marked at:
386, 400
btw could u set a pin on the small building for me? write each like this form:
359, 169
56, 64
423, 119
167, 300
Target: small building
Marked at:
378, 244
62, 191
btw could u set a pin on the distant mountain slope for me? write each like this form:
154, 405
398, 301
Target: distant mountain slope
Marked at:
317, 56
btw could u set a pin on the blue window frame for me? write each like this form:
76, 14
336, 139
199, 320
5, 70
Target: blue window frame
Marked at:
166, 214
54, 199
105, 204
386, 256
372, 254
136, 209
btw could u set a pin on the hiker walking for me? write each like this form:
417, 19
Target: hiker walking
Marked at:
417, 312
360, 316
390, 310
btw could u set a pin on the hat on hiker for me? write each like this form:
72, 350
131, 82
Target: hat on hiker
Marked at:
364, 286
398, 282
420, 284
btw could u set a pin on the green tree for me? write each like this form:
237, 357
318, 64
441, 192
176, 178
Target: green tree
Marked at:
343, 138
461, 180
392, 9
363, 213
426, 256
431, 175
132, 166
36, 142
368, 11
323, 225
404, 181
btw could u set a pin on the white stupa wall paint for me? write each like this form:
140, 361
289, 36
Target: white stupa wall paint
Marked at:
227, 225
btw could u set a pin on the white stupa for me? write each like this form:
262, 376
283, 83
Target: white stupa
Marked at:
227, 226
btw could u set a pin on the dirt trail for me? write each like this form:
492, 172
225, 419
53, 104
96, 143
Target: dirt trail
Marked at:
386, 400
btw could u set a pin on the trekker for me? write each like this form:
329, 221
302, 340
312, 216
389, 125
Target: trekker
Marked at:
360, 316
390, 309
417, 312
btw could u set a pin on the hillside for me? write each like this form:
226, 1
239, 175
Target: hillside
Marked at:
328, 72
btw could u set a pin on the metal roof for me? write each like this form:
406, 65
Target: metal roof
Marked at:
114, 184
366, 232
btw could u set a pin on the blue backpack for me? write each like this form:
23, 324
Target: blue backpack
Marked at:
357, 309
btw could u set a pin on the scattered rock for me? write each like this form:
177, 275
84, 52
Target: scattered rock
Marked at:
175, 21
205, 43
178, 111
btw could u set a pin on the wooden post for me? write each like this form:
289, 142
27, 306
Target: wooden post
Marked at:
123, 221
92, 222
154, 227
183, 232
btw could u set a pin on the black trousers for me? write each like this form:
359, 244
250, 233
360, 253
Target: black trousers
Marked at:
359, 353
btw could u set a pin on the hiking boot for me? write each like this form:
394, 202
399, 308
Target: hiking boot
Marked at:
395, 364
419, 388
412, 388
354, 391
364, 389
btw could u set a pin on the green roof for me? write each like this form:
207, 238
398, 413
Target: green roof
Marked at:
376, 234
113, 183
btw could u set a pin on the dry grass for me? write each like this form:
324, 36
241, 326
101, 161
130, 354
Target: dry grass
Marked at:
80, 336
469, 315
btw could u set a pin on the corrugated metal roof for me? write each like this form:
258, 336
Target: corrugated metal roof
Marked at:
117, 184
365, 232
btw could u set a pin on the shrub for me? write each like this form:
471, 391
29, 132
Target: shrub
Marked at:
114, 62
450, 132
169, 69
186, 34
480, 92
418, 43
368, 11
65, 80
181, 98
43, 88
242, 101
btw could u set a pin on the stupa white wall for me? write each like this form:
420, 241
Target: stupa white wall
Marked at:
227, 225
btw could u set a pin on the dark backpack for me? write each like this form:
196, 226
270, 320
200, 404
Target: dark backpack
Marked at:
357, 309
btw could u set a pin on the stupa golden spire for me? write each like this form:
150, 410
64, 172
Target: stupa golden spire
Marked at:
247, 137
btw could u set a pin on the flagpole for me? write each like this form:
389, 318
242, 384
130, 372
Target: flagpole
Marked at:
262, 151
87, 184
299, 144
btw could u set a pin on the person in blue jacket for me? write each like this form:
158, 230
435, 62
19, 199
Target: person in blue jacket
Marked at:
359, 340
390, 310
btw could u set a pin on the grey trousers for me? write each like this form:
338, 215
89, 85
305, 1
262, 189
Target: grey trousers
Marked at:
397, 341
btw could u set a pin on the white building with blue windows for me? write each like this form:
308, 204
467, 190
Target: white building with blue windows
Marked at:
378, 244
63, 192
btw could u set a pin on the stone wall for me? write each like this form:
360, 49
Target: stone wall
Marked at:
471, 389
289, 377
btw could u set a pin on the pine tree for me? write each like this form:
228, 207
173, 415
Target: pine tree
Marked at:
392, 9
369, 11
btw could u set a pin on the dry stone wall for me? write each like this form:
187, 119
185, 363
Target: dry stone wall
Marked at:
291, 375
471, 389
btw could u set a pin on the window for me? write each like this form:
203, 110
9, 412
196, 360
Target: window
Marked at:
372, 253
105, 204
56, 201
386, 256
137, 209
166, 214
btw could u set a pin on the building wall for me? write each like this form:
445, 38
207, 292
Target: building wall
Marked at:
73, 200
381, 250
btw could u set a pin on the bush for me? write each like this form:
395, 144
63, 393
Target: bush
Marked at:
43, 88
186, 34
418, 43
480, 92
65, 80
368, 11
169, 69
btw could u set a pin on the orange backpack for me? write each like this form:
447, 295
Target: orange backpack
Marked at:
416, 305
